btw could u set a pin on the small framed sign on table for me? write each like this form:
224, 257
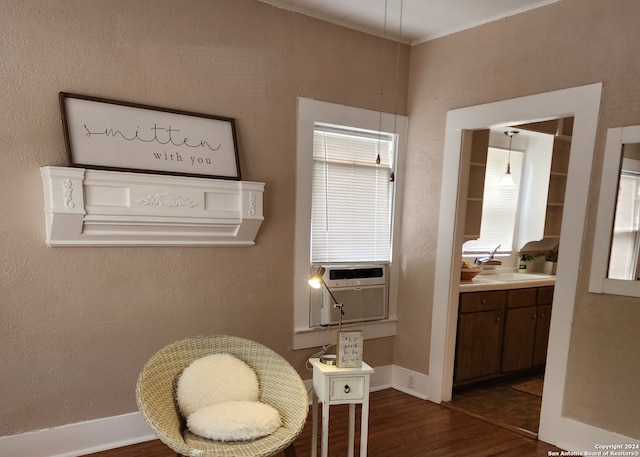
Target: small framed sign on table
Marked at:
349, 349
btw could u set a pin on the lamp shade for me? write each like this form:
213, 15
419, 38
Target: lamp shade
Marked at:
315, 280
507, 180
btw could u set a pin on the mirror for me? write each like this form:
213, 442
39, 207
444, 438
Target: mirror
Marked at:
625, 239
615, 265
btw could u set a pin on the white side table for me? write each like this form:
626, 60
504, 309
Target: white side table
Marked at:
338, 386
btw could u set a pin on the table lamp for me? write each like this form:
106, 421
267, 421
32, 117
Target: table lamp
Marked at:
349, 344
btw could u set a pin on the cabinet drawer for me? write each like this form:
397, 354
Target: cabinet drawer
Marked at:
472, 302
545, 295
519, 298
346, 388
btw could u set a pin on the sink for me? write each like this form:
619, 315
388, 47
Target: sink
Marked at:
481, 280
506, 280
510, 277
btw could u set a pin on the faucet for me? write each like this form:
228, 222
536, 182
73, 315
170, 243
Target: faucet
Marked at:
484, 260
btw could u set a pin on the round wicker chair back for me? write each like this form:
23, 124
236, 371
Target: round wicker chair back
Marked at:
280, 387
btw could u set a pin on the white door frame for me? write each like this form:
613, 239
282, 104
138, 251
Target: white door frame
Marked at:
583, 103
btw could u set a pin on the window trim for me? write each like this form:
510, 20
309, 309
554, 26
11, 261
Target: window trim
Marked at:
309, 112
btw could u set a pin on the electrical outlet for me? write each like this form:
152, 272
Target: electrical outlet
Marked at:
410, 382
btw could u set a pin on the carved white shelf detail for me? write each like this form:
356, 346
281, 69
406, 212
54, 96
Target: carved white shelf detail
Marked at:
112, 208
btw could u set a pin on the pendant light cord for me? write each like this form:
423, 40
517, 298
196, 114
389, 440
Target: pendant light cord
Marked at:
510, 134
509, 156
384, 45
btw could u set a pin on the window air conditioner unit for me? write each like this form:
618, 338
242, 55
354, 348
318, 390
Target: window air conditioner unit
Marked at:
361, 289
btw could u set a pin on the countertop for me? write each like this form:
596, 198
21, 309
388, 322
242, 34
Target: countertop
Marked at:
504, 281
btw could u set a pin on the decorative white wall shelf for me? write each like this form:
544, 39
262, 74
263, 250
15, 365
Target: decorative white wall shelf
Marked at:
112, 208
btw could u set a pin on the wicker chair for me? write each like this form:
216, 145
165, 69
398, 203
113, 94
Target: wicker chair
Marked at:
280, 387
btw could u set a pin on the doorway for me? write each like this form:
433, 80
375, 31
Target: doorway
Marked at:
502, 334
583, 104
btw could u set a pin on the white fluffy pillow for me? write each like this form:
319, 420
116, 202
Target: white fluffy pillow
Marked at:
234, 421
215, 379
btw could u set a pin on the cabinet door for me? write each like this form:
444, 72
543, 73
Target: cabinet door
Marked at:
519, 338
542, 335
479, 342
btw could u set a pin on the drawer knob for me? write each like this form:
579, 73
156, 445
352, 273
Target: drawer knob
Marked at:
347, 389
484, 301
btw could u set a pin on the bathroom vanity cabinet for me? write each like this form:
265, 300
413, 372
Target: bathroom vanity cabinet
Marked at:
501, 332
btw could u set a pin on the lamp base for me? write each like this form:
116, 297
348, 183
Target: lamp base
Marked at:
328, 359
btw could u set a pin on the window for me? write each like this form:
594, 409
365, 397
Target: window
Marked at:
499, 204
358, 201
352, 195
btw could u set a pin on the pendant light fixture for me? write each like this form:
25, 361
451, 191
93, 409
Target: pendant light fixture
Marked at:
507, 178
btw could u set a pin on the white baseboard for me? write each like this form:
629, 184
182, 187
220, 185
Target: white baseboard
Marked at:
410, 382
579, 437
78, 439
82, 438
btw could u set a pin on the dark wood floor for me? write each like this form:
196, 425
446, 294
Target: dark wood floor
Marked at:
399, 425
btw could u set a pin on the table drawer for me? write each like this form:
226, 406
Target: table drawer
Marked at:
346, 388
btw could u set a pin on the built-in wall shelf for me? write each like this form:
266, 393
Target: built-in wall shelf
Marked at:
475, 189
562, 130
111, 208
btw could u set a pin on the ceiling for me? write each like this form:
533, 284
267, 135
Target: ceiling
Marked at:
409, 21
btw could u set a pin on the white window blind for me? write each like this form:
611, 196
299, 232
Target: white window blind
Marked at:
351, 195
499, 204
625, 243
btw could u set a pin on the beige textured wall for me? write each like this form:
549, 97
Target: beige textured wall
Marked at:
76, 324
566, 44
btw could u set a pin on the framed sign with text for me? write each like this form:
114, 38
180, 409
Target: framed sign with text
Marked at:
349, 350
113, 135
